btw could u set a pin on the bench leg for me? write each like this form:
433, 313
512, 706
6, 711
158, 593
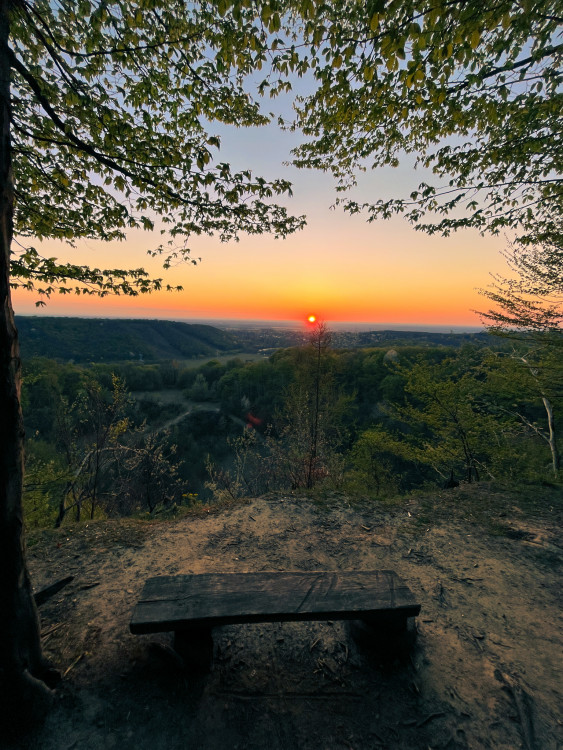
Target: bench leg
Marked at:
392, 623
195, 646
387, 637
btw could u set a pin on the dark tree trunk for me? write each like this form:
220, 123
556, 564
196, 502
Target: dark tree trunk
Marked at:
23, 694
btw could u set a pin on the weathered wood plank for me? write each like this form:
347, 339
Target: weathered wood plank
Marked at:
212, 599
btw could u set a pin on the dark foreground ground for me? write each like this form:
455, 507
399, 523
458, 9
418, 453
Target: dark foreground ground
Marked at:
485, 671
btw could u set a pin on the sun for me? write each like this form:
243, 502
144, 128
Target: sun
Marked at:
312, 319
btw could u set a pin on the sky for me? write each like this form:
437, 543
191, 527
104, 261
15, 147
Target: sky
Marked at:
339, 268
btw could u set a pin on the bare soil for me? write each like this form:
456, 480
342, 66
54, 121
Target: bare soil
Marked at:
485, 672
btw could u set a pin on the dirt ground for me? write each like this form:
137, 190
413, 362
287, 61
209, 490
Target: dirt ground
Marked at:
485, 672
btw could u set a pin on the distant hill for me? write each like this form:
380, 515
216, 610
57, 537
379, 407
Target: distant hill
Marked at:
421, 338
117, 340
267, 340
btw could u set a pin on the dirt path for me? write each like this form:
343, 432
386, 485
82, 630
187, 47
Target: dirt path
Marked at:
485, 672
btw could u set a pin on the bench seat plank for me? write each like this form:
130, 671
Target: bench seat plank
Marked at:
213, 599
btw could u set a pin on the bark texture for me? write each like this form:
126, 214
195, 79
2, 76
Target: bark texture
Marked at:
24, 696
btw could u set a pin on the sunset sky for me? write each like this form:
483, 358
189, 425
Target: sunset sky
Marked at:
339, 267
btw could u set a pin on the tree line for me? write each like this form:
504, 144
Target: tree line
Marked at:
376, 422
365, 422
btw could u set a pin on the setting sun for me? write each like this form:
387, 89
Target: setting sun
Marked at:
312, 319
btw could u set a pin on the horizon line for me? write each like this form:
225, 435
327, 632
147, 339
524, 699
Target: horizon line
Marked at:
280, 322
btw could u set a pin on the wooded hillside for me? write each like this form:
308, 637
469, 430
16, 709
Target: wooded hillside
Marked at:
115, 340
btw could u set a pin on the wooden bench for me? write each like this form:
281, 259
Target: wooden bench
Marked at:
192, 605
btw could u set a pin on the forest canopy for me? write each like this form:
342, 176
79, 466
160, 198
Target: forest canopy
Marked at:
116, 102
112, 130
472, 90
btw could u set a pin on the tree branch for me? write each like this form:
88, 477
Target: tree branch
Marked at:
80, 144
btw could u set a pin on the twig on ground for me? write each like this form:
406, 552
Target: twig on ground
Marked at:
51, 630
430, 717
45, 594
524, 707
74, 663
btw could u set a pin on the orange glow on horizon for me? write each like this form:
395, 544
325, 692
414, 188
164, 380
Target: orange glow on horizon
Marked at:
404, 310
388, 278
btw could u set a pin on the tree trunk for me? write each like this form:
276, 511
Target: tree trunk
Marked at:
23, 694
315, 431
552, 439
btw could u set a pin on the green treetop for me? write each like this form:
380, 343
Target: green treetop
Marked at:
113, 105
473, 90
